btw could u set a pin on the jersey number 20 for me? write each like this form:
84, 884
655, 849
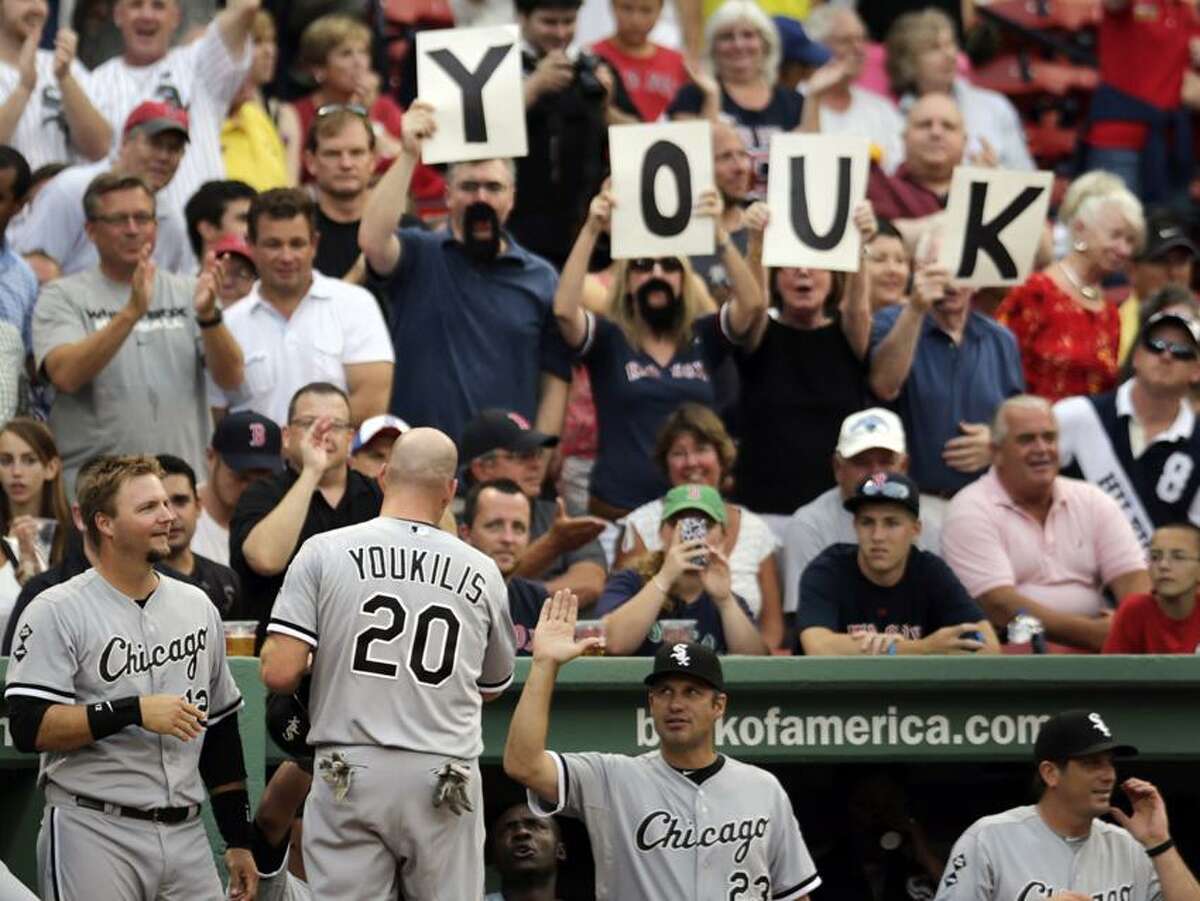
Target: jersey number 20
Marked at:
369, 666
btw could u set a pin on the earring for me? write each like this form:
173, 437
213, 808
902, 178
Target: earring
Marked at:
1079, 246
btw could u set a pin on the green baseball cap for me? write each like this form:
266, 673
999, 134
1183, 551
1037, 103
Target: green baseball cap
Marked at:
703, 498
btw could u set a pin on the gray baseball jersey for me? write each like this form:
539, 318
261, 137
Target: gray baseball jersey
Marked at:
409, 624
83, 641
656, 834
1015, 856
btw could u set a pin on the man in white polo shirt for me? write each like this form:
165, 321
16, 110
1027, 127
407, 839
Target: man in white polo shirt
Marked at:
298, 326
870, 441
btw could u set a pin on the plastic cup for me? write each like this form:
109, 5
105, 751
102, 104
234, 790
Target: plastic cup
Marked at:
591, 628
676, 631
44, 540
239, 637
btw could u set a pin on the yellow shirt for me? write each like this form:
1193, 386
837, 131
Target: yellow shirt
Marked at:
253, 150
1130, 313
793, 9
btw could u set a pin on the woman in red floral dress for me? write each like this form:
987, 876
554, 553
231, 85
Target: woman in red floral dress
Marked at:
1067, 330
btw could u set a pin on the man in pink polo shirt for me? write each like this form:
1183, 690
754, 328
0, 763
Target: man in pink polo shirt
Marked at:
1024, 538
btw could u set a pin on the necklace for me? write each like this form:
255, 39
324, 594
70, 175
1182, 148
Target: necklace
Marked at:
1089, 292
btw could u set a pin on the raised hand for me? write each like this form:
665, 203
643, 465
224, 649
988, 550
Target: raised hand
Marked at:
313, 454
706, 83
986, 155
757, 216
143, 282
417, 127
709, 204
716, 578
66, 42
204, 300
600, 211
681, 557
825, 78
572, 532
930, 279
172, 715
865, 221
1149, 821
554, 638
27, 61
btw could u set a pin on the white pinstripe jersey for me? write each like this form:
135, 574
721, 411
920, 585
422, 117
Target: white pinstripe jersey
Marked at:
203, 78
41, 133
408, 625
82, 642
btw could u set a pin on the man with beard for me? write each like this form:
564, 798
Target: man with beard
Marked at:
299, 326
470, 308
89, 652
496, 519
527, 850
682, 822
1059, 849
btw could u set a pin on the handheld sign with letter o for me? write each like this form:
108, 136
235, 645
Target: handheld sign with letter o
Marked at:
472, 78
994, 220
814, 184
658, 171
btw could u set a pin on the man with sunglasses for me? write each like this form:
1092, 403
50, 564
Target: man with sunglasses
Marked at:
563, 551
1140, 442
884, 595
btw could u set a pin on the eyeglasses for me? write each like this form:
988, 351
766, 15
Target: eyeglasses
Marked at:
488, 187
330, 108
646, 264
896, 491
1159, 346
1172, 557
122, 218
307, 422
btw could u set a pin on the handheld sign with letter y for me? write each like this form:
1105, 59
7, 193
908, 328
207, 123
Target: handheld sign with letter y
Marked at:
815, 181
994, 221
472, 78
658, 171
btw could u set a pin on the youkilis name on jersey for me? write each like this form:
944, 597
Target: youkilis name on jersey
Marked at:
660, 829
408, 565
123, 657
1037, 889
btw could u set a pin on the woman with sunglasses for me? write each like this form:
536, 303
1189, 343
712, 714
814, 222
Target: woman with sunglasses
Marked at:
802, 371
654, 352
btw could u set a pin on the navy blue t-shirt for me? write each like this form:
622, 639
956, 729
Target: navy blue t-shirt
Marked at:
839, 597
525, 599
470, 335
634, 396
623, 585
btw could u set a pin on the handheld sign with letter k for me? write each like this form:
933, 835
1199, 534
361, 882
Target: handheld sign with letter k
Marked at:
472, 78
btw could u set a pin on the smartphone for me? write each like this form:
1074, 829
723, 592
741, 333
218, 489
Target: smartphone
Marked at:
694, 528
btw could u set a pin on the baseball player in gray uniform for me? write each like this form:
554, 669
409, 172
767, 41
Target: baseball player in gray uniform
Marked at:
1059, 849
119, 679
680, 822
409, 630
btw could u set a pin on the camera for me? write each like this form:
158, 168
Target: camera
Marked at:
585, 75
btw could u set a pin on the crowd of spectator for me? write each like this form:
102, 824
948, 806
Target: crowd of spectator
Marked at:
252, 274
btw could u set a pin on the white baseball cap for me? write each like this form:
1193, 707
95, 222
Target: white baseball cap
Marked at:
384, 422
873, 427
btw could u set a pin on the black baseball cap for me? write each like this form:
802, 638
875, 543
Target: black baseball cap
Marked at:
886, 488
688, 658
249, 440
497, 429
1165, 232
1077, 733
1189, 325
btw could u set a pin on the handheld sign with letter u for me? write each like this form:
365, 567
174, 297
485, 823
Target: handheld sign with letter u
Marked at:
658, 171
994, 220
814, 184
472, 78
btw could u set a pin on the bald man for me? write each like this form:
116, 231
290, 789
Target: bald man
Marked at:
934, 143
415, 632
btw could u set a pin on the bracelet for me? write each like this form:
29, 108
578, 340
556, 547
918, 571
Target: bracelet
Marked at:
106, 718
665, 591
1161, 849
210, 323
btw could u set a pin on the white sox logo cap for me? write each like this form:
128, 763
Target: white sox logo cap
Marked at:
687, 659
1077, 733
